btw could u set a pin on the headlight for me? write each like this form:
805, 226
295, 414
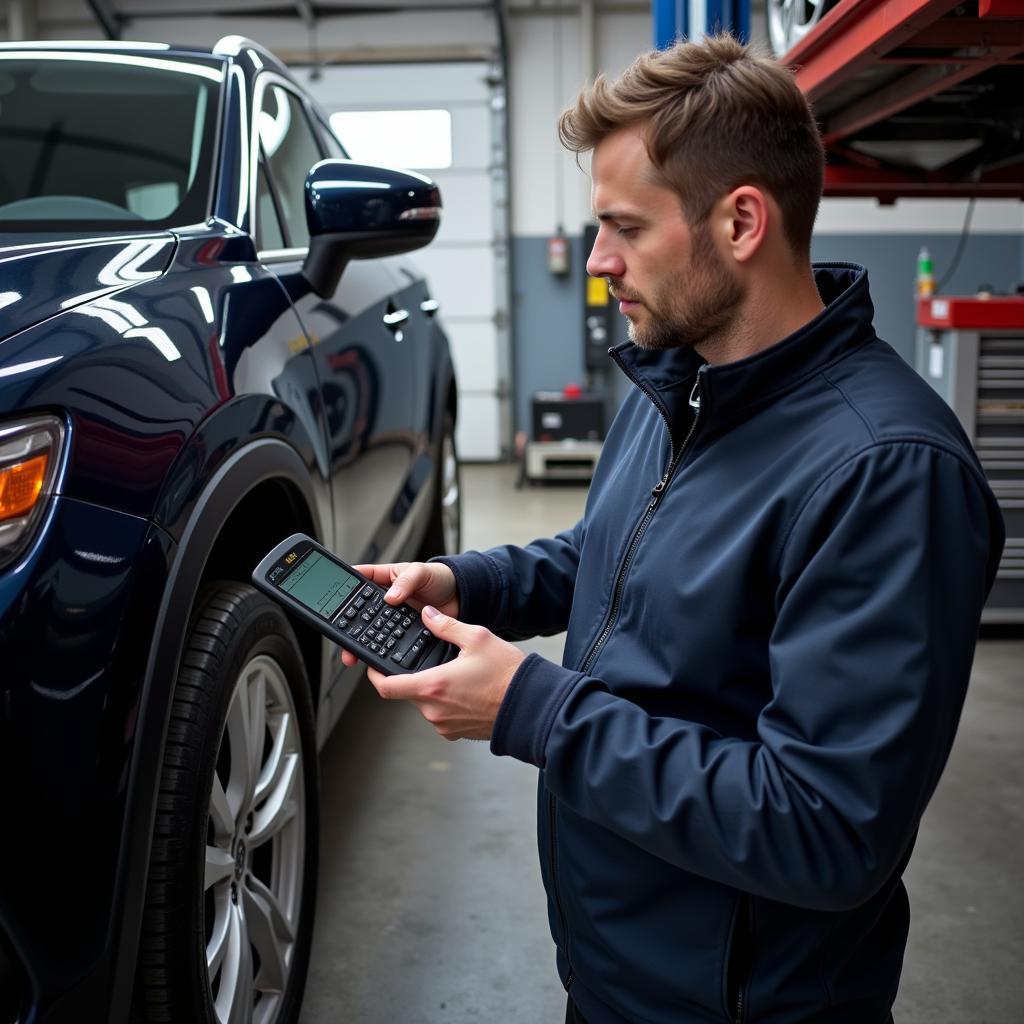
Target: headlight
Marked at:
30, 454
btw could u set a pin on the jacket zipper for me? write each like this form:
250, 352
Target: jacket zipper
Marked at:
656, 495
741, 956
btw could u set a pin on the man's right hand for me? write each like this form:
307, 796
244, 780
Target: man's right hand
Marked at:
415, 583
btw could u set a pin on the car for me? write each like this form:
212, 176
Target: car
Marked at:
210, 338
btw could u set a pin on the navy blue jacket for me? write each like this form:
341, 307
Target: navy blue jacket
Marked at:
772, 605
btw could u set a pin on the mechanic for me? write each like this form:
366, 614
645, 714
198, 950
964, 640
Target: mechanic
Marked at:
772, 598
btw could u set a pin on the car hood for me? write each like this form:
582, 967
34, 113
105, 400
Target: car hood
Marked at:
39, 279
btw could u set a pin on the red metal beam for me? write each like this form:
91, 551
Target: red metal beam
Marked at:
1001, 8
887, 184
909, 89
853, 35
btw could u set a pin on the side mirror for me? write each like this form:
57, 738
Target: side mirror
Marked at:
356, 211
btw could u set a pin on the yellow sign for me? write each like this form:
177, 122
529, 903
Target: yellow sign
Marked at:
597, 291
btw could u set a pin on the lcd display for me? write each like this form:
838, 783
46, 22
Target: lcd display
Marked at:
320, 584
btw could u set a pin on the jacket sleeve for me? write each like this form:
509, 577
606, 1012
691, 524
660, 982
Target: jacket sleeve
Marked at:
519, 592
881, 582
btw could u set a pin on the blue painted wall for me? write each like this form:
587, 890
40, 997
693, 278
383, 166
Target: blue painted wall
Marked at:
547, 310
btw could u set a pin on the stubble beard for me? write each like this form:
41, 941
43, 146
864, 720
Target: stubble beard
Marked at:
692, 308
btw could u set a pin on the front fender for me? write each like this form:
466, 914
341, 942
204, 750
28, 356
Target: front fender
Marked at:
198, 522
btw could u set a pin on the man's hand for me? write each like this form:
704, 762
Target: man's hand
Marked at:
417, 583
460, 698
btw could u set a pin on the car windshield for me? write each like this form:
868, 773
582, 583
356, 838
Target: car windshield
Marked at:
105, 140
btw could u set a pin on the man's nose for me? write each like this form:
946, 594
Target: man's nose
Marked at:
604, 261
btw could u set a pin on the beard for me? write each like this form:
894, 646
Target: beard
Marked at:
691, 306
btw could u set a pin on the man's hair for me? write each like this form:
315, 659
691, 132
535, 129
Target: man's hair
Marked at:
714, 115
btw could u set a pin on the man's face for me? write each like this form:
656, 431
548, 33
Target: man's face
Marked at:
670, 281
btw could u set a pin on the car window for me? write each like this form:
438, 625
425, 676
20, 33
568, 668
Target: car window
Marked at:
104, 141
330, 139
268, 226
290, 149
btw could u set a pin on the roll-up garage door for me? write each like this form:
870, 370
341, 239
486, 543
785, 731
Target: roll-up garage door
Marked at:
398, 114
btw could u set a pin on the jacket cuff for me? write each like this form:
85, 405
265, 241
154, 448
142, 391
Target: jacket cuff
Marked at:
533, 698
480, 585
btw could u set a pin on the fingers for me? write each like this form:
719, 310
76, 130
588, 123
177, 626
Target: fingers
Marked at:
382, 575
414, 686
448, 628
406, 580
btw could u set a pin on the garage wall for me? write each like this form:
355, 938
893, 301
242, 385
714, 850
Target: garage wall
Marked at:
548, 187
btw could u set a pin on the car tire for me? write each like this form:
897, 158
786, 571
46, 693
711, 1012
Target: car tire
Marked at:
232, 874
444, 531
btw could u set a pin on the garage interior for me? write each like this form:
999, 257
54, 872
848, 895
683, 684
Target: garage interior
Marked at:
430, 907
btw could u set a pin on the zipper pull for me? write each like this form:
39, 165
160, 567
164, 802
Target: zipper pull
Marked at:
695, 396
660, 486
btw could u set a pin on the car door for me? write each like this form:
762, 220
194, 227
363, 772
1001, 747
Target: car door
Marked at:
369, 385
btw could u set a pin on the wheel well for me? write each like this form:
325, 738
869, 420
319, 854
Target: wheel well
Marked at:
267, 514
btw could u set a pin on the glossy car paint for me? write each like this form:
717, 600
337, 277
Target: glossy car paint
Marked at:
190, 374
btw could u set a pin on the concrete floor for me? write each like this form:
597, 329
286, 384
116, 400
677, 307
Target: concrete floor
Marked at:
431, 909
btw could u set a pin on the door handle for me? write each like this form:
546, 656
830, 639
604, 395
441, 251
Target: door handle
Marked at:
396, 318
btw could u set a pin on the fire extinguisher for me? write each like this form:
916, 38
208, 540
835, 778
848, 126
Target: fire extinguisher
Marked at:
558, 253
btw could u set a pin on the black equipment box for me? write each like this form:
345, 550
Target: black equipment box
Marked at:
556, 417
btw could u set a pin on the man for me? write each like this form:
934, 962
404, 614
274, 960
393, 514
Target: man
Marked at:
771, 600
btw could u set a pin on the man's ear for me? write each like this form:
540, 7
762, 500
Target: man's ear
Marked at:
747, 211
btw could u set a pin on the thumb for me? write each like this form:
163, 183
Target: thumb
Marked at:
448, 628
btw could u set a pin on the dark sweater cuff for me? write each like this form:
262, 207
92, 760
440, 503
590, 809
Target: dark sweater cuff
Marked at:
533, 698
480, 585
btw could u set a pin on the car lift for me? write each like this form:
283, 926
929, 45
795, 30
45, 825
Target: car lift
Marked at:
918, 97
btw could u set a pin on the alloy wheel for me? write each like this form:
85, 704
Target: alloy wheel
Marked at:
255, 852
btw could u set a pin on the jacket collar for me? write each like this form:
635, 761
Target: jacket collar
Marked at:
735, 390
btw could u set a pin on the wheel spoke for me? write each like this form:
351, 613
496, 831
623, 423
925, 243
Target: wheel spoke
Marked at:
220, 865
240, 785
218, 944
279, 807
256, 683
270, 934
220, 811
234, 1000
275, 763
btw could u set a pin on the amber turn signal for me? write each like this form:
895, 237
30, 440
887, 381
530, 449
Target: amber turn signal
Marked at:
21, 485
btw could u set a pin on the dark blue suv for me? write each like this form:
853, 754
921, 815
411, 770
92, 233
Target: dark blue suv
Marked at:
208, 340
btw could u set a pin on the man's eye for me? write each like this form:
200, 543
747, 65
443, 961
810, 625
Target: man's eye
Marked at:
627, 232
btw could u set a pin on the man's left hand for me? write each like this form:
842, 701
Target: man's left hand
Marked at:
460, 698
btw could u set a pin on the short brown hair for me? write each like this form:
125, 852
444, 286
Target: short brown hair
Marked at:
714, 114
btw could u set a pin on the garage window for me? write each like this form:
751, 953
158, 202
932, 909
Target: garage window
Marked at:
420, 139
290, 149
